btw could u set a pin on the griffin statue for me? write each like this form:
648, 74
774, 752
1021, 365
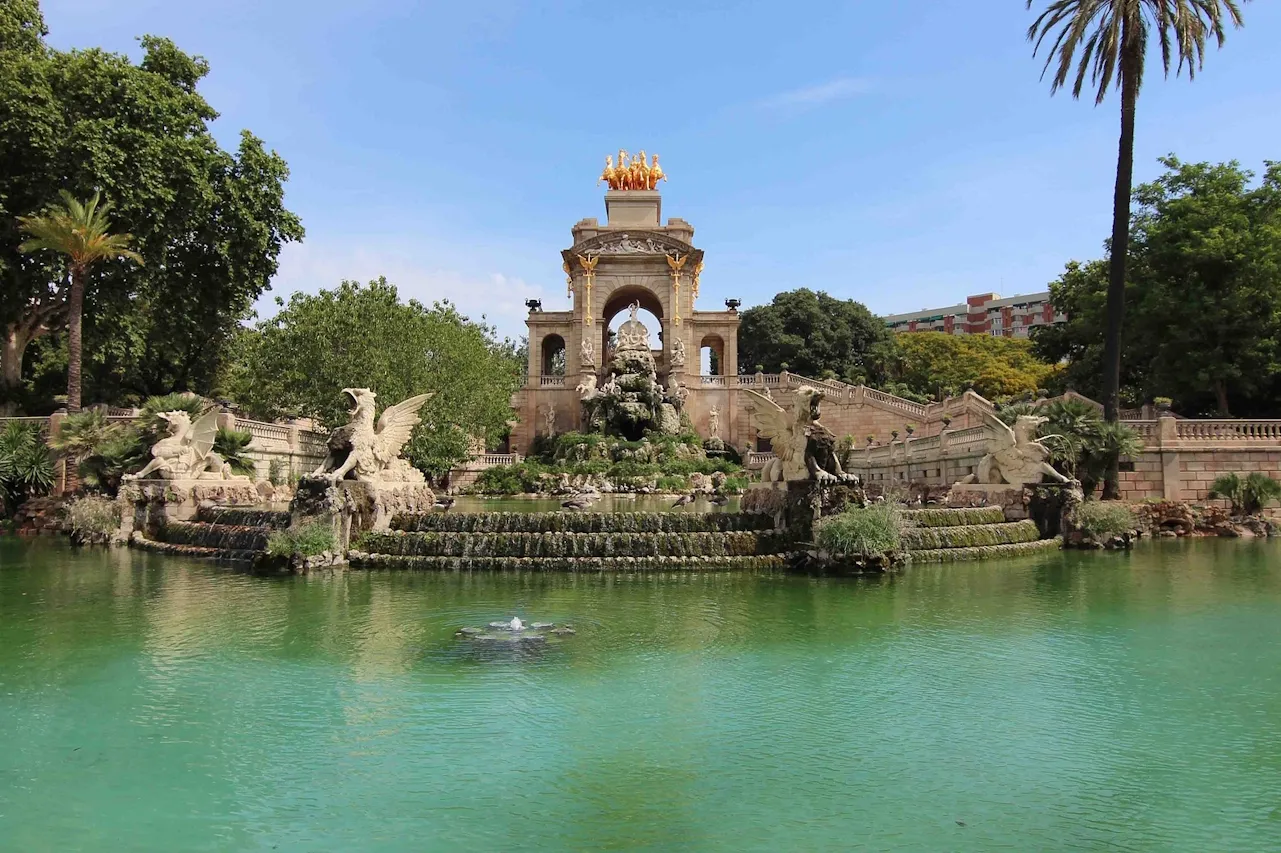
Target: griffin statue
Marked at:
1016, 458
804, 449
368, 453
187, 452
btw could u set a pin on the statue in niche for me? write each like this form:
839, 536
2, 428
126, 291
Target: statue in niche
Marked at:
678, 353
549, 419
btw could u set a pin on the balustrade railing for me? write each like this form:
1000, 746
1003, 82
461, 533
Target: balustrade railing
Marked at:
551, 381
1229, 431
757, 458
277, 433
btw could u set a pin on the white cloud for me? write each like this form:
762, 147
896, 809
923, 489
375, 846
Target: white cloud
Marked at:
466, 279
820, 94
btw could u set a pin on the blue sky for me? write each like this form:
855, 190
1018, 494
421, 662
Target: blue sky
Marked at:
904, 154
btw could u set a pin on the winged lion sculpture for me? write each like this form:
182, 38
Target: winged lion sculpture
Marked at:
370, 453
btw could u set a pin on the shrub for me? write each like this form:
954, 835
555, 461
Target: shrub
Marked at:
276, 472
873, 531
92, 518
1104, 519
25, 467
305, 541
230, 444
1248, 494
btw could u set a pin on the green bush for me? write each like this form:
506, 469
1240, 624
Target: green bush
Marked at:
26, 470
873, 531
1104, 519
276, 473
305, 541
230, 444
93, 518
1248, 494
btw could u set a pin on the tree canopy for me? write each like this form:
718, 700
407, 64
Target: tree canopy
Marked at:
934, 363
209, 222
1205, 284
364, 336
812, 332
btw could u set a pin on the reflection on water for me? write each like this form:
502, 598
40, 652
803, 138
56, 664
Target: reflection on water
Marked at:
1066, 702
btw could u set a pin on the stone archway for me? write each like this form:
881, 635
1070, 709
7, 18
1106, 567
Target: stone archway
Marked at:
716, 363
552, 355
619, 301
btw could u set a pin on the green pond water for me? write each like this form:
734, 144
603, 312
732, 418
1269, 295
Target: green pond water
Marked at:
1067, 702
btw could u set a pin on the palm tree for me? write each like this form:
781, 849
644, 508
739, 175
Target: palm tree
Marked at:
1112, 39
78, 231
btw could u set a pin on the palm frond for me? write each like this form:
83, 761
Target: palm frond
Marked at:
81, 231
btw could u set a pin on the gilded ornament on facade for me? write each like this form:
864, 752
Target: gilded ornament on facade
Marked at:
589, 273
676, 263
632, 173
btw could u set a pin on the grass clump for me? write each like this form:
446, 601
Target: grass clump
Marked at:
1104, 519
92, 518
862, 532
309, 540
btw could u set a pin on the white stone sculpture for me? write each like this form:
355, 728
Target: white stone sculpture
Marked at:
633, 335
587, 388
549, 419
804, 449
714, 423
676, 392
370, 453
678, 353
1016, 458
587, 353
187, 452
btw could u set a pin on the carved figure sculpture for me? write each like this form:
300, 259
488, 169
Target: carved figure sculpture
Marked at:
714, 423
678, 353
370, 453
1016, 458
632, 335
609, 175
549, 419
587, 352
186, 453
803, 446
656, 174
587, 388
676, 392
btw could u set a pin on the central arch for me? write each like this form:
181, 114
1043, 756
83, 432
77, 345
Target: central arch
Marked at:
619, 300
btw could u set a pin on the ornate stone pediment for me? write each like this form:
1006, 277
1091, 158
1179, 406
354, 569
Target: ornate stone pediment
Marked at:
637, 243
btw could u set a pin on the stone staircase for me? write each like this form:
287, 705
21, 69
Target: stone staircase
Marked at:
948, 535
560, 541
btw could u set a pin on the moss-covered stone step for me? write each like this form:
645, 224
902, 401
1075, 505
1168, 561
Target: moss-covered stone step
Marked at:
224, 536
176, 549
953, 517
450, 544
243, 517
580, 522
365, 560
984, 552
970, 535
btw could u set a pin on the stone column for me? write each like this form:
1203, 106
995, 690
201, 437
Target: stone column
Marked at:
1167, 439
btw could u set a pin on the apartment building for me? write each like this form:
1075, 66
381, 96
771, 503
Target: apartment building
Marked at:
983, 314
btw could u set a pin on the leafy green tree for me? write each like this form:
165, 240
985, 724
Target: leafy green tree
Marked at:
1103, 40
1204, 272
210, 223
936, 363
364, 336
1207, 249
78, 231
812, 332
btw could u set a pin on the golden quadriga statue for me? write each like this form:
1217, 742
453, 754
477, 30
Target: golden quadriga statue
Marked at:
632, 174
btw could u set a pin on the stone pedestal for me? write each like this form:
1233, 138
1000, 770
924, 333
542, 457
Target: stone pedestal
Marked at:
634, 208
353, 507
146, 505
